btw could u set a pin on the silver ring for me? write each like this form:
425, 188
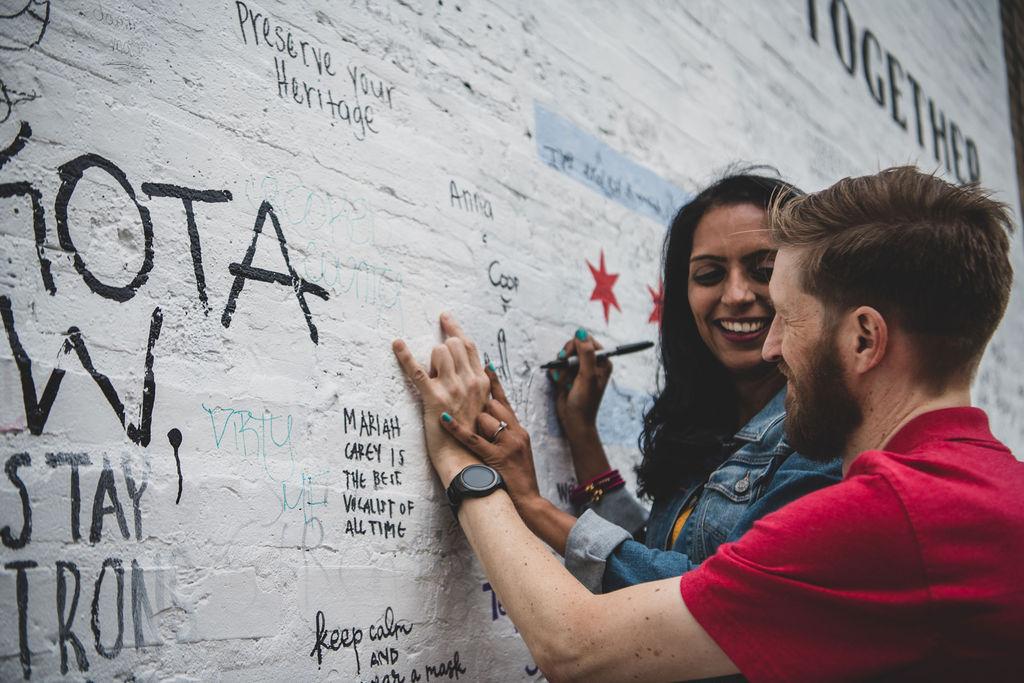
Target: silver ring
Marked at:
502, 426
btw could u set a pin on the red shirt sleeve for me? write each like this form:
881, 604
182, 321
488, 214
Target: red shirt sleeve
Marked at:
831, 587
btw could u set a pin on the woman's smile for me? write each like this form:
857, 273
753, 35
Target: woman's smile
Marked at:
730, 265
743, 330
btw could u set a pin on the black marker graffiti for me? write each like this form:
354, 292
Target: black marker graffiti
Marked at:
25, 29
37, 410
188, 197
503, 281
119, 641
25, 189
886, 80
105, 490
70, 174
105, 502
517, 380
20, 31
18, 144
473, 202
174, 437
139, 598
64, 633
21, 590
246, 271
450, 669
66, 616
346, 637
74, 461
10, 97
11, 468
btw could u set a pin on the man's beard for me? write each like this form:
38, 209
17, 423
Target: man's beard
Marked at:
821, 413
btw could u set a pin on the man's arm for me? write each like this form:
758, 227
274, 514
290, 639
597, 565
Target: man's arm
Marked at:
642, 633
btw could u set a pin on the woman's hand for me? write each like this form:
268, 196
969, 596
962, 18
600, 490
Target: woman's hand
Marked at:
456, 386
506, 449
579, 390
578, 393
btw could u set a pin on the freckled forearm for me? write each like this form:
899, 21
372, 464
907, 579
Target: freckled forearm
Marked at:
642, 633
542, 598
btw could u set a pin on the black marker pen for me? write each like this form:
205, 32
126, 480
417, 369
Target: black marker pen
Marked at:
617, 351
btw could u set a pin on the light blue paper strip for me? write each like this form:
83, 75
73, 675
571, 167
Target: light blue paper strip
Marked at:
581, 156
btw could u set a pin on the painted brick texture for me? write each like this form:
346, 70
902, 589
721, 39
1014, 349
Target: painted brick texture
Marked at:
215, 217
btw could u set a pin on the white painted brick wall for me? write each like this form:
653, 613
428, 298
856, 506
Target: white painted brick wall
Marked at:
235, 573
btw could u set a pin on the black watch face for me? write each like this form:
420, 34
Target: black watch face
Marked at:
478, 477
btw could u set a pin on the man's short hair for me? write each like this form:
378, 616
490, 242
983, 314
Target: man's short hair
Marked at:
930, 256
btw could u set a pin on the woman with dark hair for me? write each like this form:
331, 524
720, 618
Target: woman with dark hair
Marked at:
714, 455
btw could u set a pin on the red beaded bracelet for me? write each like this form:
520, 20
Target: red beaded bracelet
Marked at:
595, 488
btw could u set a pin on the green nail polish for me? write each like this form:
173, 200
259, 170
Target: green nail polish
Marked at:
568, 387
554, 375
581, 334
561, 355
490, 366
445, 417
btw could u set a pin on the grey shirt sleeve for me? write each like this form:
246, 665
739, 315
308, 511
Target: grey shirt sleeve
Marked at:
591, 540
622, 508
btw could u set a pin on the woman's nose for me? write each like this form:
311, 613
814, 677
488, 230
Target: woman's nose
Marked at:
738, 290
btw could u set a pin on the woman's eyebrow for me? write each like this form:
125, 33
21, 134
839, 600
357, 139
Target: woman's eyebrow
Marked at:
753, 256
708, 257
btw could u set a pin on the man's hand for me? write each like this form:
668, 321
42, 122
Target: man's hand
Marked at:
508, 450
456, 385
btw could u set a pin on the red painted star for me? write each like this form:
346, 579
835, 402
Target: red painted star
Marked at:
603, 283
658, 297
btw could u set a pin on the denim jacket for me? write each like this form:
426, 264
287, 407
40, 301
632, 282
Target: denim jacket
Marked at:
760, 476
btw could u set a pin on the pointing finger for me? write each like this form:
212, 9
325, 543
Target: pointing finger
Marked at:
451, 328
412, 369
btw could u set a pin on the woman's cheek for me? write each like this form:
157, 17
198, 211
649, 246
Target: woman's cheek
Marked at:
702, 305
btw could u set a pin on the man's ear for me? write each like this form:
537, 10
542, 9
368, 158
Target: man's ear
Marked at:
868, 334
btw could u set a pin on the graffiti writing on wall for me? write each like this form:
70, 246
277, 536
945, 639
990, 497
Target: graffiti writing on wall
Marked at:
106, 521
895, 88
296, 53
569, 150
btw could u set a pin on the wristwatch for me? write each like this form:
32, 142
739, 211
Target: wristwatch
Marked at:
475, 481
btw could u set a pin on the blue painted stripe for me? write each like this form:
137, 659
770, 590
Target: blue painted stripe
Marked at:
581, 156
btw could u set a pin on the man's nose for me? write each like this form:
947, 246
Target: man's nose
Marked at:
771, 351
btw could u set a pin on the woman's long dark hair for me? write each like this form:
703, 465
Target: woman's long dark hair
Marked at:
697, 409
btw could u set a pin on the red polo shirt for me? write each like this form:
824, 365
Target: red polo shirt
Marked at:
911, 568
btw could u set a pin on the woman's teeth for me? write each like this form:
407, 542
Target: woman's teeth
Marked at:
741, 327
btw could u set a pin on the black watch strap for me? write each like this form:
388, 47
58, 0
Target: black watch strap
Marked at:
475, 481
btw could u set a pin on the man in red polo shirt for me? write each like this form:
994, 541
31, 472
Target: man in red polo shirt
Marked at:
887, 289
